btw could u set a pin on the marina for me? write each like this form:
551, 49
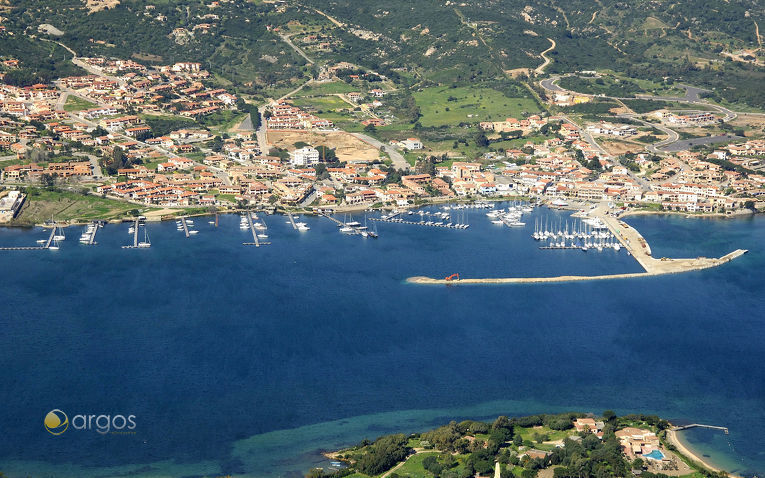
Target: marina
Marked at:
583, 234
352, 227
298, 226
602, 231
51, 242
429, 218
134, 230
88, 237
253, 226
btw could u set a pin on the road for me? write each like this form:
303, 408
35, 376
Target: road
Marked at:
655, 148
541, 68
97, 174
398, 160
689, 143
62, 100
260, 134
292, 45
585, 135
549, 84
309, 199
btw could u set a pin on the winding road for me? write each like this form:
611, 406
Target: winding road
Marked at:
541, 68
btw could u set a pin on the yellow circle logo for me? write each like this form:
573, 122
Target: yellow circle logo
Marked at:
56, 422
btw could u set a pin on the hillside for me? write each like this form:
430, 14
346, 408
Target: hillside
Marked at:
245, 42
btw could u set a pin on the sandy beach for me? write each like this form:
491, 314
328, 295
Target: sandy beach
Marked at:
675, 441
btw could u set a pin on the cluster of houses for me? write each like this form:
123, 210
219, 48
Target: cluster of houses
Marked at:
525, 125
635, 442
33, 171
620, 130
30, 103
178, 88
285, 116
691, 119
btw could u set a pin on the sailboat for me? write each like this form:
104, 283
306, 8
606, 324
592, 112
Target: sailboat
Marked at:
59, 236
146, 243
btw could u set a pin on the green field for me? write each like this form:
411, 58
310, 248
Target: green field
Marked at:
42, 205
444, 105
75, 103
329, 102
327, 89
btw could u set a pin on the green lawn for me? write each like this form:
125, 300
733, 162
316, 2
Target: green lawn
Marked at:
469, 105
75, 103
329, 102
552, 435
413, 466
43, 205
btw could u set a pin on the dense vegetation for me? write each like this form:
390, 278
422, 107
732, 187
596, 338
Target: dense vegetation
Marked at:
428, 41
470, 448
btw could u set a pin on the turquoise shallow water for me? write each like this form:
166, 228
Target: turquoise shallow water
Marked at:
247, 361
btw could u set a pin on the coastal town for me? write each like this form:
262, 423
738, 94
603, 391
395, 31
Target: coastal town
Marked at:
393, 239
297, 159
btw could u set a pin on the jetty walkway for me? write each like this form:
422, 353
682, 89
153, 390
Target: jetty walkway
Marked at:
256, 240
34, 248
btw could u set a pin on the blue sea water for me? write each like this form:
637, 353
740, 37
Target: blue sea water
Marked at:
247, 361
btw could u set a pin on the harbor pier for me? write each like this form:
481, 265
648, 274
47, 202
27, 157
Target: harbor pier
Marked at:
630, 238
256, 241
34, 248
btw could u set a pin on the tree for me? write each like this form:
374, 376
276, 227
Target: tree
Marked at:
47, 180
216, 144
326, 154
370, 128
383, 454
481, 140
609, 415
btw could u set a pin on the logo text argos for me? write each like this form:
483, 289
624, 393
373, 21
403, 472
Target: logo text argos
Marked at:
57, 422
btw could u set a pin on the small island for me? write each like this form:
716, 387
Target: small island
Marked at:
567, 445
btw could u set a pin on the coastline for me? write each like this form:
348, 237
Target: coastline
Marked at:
684, 450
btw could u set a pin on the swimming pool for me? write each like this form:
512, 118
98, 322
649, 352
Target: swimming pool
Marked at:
655, 455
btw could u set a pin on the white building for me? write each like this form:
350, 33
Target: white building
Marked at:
411, 143
306, 156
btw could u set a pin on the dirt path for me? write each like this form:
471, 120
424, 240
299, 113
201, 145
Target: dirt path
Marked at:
757, 34
541, 68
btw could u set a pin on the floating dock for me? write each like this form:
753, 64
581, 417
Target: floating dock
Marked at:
34, 248
698, 425
91, 238
136, 224
292, 220
256, 242
185, 226
421, 223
